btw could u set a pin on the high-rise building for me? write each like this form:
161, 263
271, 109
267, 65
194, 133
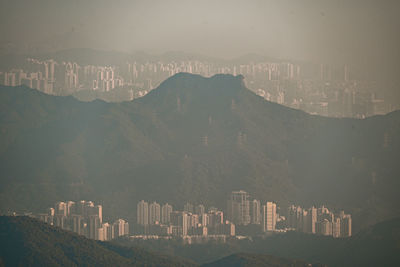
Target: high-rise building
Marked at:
107, 232
336, 227
50, 212
100, 234
324, 227
312, 220
226, 228
77, 221
154, 213
205, 219
10, 79
80, 207
52, 64
214, 218
126, 228
93, 226
188, 207
46, 70
269, 216
305, 221
193, 220
98, 210
219, 217
60, 220
27, 82
121, 228
61, 208
83, 218
143, 213
255, 212
166, 213
345, 226
70, 208
200, 209
89, 208
181, 220
239, 208
299, 218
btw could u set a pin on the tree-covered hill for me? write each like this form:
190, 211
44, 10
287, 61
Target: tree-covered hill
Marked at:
28, 242
377, 245
193, 139
259, 260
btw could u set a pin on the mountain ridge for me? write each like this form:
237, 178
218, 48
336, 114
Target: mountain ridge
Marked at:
197, 138
248, 259
27, 242
377, 245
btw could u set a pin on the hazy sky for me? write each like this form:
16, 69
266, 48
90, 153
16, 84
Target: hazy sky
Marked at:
364, 31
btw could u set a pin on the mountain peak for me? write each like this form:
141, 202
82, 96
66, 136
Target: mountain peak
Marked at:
196, 86
185, 76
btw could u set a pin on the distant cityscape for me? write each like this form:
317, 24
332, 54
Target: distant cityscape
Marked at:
315, 88
84, 218
195, 223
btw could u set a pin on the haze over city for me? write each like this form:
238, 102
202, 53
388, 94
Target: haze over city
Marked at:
363, 33
199, 133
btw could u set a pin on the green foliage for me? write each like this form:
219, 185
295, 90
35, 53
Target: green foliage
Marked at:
378, 245
247, 260
55, 148
28, 242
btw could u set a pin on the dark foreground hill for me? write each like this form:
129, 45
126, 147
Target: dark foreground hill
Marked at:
193, 139
378, 245
257, 260
28, 242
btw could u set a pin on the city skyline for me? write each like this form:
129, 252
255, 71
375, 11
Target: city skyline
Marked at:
199, 133
302, 30
195, 223
322, 89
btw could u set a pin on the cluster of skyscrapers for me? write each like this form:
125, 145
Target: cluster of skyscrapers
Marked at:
195, 223
154, 219
84, 218
62, 78
243, 216
319, 221
244, 211
40, 75
315, 88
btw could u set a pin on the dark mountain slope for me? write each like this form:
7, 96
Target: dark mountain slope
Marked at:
28, 242
378, 245
249, 260
193, 139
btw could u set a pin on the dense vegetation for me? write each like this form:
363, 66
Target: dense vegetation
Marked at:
378, 245
28, 242
193, 139
247, 260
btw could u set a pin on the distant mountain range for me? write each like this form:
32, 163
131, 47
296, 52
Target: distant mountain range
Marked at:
193, 139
